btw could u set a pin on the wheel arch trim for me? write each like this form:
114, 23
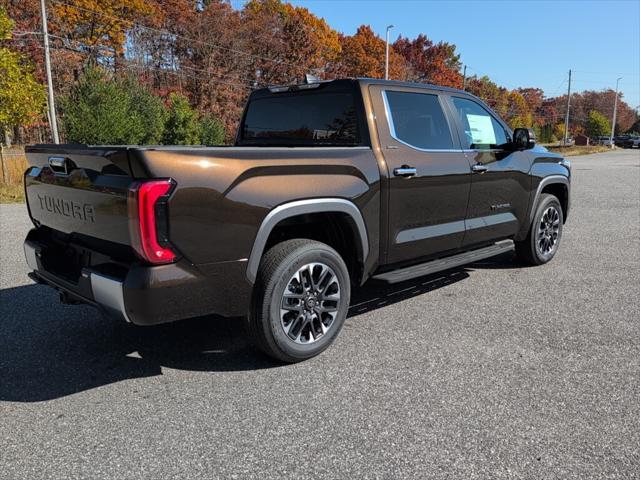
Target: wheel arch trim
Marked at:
300, 207
550, 180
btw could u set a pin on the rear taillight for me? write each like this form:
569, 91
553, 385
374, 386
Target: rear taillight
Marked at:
148, 220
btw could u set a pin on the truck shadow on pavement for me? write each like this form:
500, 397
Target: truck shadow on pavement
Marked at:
49, 350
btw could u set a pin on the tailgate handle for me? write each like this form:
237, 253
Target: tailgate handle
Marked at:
59, 165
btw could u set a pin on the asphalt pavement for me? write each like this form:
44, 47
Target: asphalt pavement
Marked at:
489, 371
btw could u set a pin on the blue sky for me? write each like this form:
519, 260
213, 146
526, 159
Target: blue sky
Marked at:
516, 43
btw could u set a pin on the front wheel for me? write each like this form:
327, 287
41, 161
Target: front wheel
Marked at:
544, 235
301, 300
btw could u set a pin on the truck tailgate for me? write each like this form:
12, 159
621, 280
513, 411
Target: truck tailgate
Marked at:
80, 190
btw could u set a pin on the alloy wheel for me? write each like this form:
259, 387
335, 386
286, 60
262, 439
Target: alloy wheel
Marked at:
309, 304
548, 231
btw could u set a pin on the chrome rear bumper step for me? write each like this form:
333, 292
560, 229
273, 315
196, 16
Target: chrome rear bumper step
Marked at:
441, 264
108, 293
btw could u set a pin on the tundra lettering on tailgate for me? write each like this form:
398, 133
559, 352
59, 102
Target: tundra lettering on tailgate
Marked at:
67, 208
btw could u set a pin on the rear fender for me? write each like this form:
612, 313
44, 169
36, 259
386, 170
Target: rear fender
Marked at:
292, 209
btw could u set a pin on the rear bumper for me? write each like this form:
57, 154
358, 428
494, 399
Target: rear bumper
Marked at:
146, 295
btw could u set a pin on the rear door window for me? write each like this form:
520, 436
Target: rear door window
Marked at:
417, 120
481, 130
316, 118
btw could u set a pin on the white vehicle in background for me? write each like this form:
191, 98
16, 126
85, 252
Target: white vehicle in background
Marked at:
606, 141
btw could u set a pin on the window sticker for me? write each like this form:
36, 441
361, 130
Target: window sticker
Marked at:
481, 129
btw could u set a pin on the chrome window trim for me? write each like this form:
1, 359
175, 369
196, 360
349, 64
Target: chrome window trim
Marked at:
479, 150
290, 209
392, 128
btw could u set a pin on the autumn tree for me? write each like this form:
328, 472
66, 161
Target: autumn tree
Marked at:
601, 101
286, 42
519, 113
316, 44
495, 96
363, 55
99, 26
25, 15
558, 130
22, 98
212, 54
598, 125
158, 45
437, 64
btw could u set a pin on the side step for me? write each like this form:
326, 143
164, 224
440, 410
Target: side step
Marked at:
441, 264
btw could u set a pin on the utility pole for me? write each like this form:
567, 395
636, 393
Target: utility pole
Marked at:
47, 63
566, 118
615, 111
386, 55
464, 78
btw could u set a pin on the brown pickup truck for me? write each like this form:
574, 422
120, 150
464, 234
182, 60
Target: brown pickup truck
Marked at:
329, 184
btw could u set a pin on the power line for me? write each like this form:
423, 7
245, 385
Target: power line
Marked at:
177, 35
87, 49
635, 74
133, 65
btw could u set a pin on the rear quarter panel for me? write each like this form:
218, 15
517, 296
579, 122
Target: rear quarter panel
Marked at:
223, 194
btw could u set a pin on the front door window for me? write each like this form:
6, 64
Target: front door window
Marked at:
481, 130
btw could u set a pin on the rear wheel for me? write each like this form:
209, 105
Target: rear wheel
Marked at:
544, 235
301, 300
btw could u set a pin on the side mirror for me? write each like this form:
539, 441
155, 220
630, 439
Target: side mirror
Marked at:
524, 138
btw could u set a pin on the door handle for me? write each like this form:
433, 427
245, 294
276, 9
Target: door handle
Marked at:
479, 168
405, 171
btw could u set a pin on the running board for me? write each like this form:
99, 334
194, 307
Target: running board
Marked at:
441, 264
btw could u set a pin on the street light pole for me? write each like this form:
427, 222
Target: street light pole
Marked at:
464, 78
615, 111
566, 120
386, 54
47, 64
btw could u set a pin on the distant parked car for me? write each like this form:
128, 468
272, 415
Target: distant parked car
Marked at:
632, 142
606, 141
620, 140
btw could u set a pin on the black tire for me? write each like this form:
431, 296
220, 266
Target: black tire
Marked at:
278, 268
536, 250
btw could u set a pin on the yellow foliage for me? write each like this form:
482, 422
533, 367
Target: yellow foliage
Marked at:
22, 98
106, 27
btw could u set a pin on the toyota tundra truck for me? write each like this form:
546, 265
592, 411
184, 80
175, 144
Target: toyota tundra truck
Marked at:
329, 184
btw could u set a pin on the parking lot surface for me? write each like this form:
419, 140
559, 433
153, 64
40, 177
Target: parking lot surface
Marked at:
489, 371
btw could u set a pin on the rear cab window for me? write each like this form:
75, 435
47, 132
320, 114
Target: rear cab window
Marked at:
316, 116
417, 120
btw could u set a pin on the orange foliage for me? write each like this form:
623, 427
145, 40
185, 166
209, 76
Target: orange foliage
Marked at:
437, 64
214, 53
363, 55
98, 23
